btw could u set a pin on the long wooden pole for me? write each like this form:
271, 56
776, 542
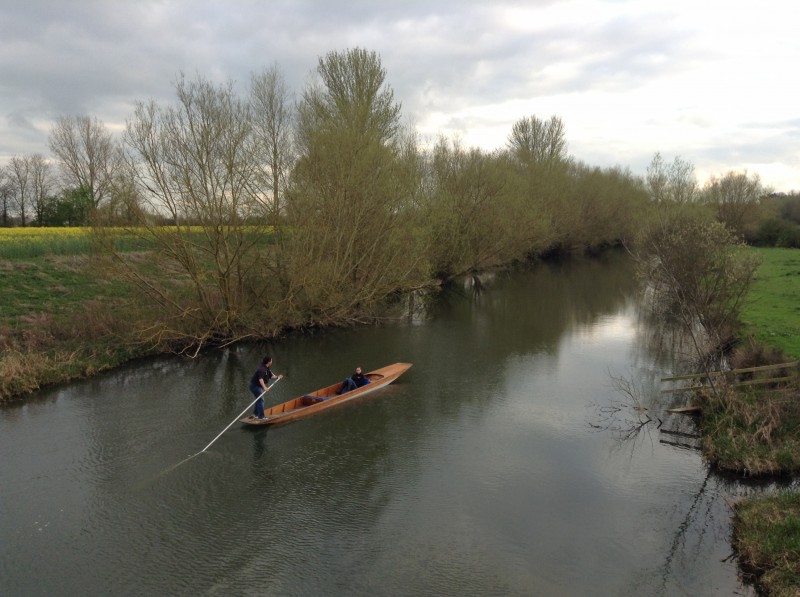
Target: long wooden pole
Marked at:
237, 417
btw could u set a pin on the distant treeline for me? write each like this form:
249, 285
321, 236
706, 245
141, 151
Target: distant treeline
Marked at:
314, 208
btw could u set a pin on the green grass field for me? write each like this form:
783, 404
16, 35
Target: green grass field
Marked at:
51, 285
61, 314
772, 312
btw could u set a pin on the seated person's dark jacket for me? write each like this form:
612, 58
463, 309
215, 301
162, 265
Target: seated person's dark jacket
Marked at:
354, 381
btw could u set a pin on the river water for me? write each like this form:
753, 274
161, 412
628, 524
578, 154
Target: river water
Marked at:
506, 461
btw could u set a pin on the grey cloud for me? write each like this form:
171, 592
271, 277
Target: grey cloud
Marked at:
776, 141
98, 57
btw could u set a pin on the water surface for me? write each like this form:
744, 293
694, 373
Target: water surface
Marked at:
505, 462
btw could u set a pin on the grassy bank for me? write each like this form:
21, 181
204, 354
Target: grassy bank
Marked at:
757, 431
767, 539
62, 315
65, 313
753, 429
61, 319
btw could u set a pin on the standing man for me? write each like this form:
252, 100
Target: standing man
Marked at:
259, 384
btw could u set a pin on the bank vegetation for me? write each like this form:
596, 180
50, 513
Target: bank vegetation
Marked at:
702, 275
225, 216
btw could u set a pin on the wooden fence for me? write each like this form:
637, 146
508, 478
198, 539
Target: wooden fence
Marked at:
730, 377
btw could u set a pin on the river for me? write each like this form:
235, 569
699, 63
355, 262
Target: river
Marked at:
506, 461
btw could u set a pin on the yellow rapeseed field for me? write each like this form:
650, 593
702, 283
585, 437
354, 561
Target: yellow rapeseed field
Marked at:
28, 242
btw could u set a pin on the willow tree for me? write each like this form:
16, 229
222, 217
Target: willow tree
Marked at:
472, 215
538, 148
699, 272
194, 164
349, 201
534, 141
605, 206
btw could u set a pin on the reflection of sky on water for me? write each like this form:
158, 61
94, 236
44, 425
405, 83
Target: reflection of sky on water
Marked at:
608, 330
581, 496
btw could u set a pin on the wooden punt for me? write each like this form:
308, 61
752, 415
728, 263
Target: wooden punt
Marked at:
326, 398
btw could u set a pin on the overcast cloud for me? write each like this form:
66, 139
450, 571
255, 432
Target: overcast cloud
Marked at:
714, 82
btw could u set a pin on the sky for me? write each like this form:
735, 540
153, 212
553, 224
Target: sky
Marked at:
715, 83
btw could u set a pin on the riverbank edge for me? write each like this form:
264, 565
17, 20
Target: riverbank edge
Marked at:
766, 539
766, 529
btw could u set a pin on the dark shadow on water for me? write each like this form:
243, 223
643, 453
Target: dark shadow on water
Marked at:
259, 442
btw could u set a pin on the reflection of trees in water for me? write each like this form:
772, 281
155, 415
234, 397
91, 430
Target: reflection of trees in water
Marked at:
706, 516
633, 421
698, 518
626, 419
664, 338
639, 413
662, 347
534, 306
661, 339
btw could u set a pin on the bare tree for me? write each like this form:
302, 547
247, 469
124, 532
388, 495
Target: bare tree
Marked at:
673, 182
41, 185
196, 163
657, 179
6, 195
88, 155
736, 197
536, 141
272, 125
18, 171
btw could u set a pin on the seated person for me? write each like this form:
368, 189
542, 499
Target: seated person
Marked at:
356, 380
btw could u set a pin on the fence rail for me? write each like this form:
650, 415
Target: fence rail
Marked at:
731, 373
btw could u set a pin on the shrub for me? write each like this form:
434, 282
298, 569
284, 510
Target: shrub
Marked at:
777, 232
